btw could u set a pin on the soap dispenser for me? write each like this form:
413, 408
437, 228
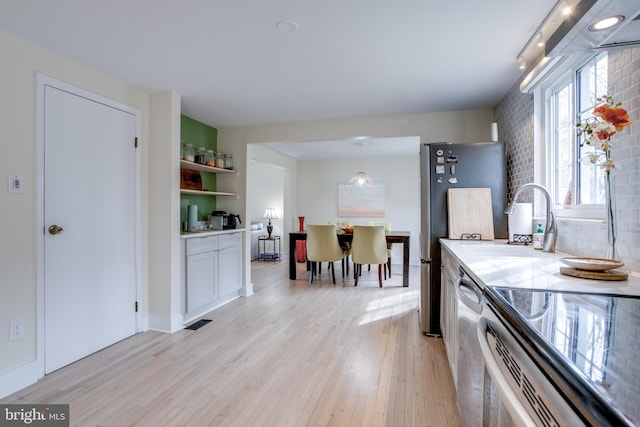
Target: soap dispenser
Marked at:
538, 237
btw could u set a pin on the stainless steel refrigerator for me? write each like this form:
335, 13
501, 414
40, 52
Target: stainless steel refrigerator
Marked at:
444, 166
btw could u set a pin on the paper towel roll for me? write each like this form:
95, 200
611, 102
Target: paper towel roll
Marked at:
494, 132
520, 220
192, 217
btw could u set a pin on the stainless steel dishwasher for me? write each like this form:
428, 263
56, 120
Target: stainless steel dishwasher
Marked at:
470, 364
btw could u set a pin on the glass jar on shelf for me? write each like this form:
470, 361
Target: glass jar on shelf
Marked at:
209, 158
189, 154
200, 155
219, 160
228, 161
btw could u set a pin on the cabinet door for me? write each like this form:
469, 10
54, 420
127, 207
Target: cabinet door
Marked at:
452, 326
444, 298
202, 283
449, 309
445, 295
230, 273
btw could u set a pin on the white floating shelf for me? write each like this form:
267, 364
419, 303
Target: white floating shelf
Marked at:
184, 164
206, 193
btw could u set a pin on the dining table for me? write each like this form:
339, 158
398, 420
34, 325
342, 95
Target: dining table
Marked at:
401, 237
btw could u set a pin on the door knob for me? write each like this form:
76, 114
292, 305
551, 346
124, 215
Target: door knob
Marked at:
54, 229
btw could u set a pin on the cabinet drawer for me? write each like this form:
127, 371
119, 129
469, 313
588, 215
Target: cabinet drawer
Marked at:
229, 240
450, 264
202, 244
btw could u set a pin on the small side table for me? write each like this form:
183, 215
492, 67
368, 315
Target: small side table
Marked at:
269, 248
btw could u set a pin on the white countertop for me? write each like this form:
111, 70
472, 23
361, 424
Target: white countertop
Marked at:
499, 264
192, 234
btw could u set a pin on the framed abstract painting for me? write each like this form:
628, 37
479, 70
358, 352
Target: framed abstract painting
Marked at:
361, 201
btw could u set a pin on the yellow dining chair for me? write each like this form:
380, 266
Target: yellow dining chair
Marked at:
387, 228
369, 246
346, 246
323, 246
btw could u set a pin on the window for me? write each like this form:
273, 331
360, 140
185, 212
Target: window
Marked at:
570, 94
563, 140
592, 83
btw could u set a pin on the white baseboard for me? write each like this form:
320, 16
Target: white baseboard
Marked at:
247, 290
166, 324
143, 325
18, 378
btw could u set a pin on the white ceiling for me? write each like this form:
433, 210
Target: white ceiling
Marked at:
348, 58
349, 148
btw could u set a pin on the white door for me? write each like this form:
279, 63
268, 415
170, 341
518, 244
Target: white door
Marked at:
89, 192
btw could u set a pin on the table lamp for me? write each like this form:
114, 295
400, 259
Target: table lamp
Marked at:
270, 214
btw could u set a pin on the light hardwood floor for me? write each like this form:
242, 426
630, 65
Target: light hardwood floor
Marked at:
293, 354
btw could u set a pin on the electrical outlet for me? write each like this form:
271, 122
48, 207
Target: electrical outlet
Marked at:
16, 329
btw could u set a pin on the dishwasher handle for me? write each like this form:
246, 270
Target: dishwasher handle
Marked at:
469, 292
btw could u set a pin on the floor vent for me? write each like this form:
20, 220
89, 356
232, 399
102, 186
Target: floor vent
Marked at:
197, 325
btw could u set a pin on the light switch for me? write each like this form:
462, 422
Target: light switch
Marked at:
16, 183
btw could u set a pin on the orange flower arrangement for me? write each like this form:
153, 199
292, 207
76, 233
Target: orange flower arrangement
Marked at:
618, 117
608, 118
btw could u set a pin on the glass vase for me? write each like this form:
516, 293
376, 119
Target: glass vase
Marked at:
612, 225
301, 245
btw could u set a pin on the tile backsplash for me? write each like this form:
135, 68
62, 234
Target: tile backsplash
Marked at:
515, 118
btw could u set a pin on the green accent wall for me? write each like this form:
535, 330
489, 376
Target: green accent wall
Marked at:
199, 135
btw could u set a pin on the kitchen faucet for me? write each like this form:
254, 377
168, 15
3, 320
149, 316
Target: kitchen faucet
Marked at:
551, 232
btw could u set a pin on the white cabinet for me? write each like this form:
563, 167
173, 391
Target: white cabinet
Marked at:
202, 286
449, 308
230, 260
201, 272
212, 272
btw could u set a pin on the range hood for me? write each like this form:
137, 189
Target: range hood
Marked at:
574, 35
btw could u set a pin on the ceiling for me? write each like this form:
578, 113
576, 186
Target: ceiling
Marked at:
348, 58
349, 148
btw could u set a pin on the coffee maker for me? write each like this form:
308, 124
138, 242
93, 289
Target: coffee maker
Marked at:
228, 220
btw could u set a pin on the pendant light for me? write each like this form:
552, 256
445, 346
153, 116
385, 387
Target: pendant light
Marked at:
361, 178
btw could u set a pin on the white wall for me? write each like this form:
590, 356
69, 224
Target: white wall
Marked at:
454, 127
264, 169
318, 194
21, 61
316, 191
267, 185
163, 305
